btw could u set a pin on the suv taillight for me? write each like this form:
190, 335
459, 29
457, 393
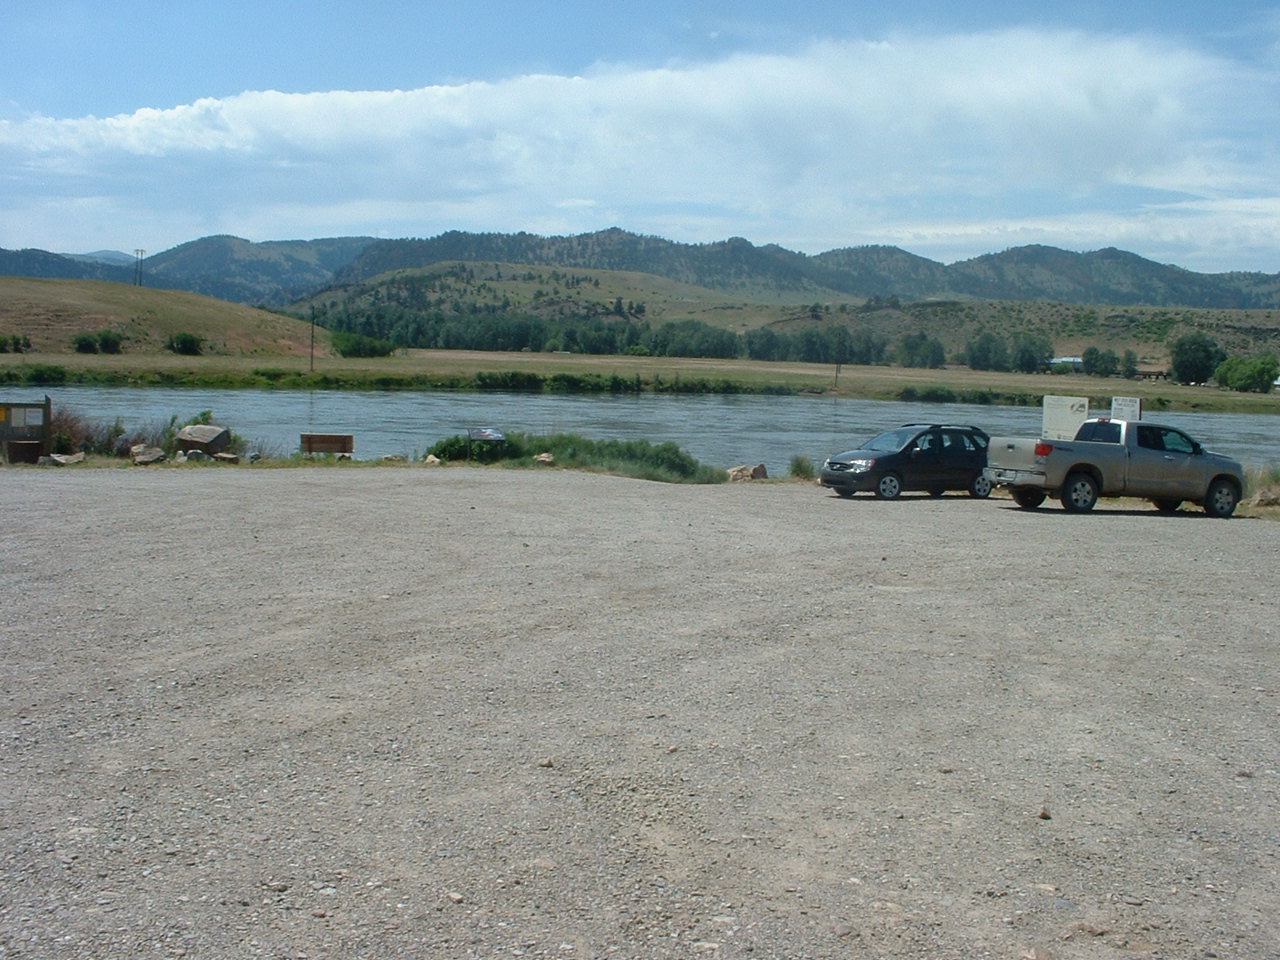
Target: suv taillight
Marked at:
1043, 449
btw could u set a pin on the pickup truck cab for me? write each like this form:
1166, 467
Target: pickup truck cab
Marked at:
1116, 458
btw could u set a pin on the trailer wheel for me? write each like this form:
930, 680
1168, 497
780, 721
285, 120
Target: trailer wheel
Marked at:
1028, 499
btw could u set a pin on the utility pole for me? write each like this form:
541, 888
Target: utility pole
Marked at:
137, 267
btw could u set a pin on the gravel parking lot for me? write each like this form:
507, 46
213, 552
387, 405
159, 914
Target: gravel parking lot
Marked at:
449, 713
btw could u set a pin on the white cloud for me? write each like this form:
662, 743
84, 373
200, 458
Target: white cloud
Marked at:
937, 143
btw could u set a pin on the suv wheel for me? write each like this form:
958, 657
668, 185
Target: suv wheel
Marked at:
889, 486
980, 487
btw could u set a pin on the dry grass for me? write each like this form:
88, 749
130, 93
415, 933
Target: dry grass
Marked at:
51, 312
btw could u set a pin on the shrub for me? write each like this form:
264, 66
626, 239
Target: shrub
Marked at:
664, 462
110, 342
513, 380
84, 343
802, 467
358, 345
46, 374
927, 395
185, 344
72, 432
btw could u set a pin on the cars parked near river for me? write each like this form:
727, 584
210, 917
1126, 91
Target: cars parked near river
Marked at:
1117, 458
931, 457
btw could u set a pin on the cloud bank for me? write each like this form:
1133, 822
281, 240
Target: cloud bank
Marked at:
947, 146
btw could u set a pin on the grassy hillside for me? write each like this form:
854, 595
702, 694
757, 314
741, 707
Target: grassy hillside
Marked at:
460, 289
52, 312
251, 347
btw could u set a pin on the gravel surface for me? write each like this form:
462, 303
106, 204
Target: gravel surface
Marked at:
412, 712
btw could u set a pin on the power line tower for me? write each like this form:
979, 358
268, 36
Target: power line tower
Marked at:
137, 267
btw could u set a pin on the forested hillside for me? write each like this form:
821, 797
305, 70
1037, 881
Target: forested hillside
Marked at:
505, 306
276, 273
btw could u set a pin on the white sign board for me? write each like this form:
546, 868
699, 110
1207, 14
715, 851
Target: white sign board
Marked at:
1126, 408
1063, 416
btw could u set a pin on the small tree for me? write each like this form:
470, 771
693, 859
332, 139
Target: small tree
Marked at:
1031, 352
921, 350
987, 351
1195, 357
1248, 374
1099, 363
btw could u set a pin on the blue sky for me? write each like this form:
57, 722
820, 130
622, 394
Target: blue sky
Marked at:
950, 129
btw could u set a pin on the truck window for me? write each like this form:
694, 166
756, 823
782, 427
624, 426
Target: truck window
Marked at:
1151, 438
1178, 442
1106, 431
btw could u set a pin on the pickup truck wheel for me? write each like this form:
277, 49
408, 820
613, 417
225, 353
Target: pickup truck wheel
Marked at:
1028, 499
1079, 493
980, 487
889, 487
1167, 506
1221, 499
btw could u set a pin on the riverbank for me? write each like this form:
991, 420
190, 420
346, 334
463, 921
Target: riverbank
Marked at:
433, 370
467, 712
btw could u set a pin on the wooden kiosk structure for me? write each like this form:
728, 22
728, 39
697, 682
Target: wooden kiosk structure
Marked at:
26, 431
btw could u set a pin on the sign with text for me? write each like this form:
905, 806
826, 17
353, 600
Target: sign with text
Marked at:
1126, 408
1063, 416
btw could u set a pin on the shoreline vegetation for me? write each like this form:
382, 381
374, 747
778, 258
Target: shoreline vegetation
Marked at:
430, 370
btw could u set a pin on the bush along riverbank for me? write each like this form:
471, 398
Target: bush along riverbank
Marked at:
664, 462
266, 378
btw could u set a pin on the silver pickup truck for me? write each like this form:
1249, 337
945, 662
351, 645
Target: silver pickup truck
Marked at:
1116, 458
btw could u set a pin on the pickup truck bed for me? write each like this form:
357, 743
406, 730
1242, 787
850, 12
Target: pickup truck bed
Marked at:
1116, 458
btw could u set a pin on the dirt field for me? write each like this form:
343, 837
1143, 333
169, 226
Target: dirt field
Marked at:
404, 712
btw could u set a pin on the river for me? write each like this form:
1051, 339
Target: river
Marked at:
718, 430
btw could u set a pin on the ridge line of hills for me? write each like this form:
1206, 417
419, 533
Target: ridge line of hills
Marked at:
281, 272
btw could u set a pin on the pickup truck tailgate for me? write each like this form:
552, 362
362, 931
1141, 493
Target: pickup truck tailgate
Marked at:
1013, 453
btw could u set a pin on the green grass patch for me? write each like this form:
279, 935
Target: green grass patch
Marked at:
663, 462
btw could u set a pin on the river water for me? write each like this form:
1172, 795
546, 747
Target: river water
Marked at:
718, 430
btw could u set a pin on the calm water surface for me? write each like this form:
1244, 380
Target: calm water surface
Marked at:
718, 430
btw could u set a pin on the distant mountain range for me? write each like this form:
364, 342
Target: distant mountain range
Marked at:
277, 273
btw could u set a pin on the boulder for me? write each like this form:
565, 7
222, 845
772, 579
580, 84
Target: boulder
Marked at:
758, 472
544, 458
226, 457
143, 455
62, 459
204, 437
431, 460
1266, 497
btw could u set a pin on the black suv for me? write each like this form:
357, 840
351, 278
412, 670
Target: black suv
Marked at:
917, 456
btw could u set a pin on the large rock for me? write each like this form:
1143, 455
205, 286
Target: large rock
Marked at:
204, 437
758, 472
62, 459
143, 454
1266, 497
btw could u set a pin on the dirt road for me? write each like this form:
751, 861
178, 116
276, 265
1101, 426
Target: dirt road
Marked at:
369, 713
